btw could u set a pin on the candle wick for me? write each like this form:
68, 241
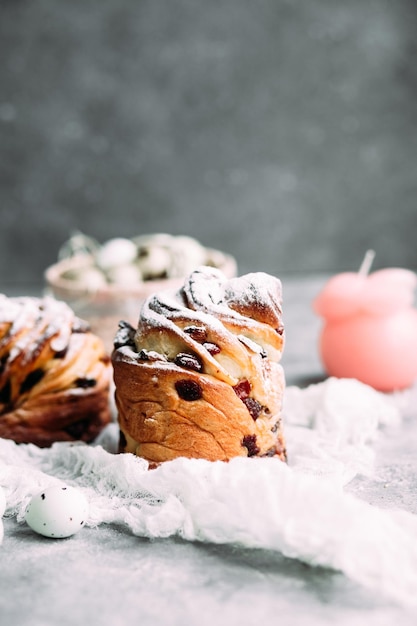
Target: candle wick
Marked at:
367, 262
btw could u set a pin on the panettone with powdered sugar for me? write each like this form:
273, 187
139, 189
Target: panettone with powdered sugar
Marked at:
200, 376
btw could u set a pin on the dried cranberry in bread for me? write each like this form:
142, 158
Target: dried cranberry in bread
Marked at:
200, 377
54, 374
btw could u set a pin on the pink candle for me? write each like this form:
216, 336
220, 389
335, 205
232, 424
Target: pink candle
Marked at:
370, 326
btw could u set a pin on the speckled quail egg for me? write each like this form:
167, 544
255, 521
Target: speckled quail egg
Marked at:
117, 251
124, 275
88, 278
154, 261
187, 254
57, 512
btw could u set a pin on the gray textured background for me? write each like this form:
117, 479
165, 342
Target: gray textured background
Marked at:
281, 131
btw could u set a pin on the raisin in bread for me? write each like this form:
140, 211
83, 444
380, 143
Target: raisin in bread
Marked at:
200, 376
54, 374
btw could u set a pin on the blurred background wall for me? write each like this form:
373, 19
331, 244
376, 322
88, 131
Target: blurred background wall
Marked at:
281, 131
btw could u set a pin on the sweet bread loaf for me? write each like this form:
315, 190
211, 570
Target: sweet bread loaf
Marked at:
200, 376
54, 374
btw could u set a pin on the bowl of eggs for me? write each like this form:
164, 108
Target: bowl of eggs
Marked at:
105, 283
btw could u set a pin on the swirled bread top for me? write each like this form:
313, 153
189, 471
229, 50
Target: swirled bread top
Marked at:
221, 321
44, 348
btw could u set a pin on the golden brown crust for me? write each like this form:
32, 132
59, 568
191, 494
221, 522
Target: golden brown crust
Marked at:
54, 374
200, 376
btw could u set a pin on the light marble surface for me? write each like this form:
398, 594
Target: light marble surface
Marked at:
107, 577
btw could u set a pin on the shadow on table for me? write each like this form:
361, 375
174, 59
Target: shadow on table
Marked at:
287, 576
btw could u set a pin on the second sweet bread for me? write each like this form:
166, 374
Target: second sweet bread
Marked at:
54, 374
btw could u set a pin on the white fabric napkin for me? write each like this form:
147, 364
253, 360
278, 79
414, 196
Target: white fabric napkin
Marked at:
299, 508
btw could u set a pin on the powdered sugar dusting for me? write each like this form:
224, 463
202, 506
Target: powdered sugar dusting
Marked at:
259, 287
36, 320
256, 296
208, 289
239, 307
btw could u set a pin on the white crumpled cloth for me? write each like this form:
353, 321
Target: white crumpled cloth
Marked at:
299, 508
